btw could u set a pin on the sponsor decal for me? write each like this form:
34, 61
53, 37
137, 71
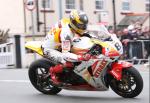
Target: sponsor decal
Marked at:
66, 46
98, 67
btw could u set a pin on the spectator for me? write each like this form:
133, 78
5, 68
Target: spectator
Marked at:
132, 32
125, 38
119, 34
111, 31
146, 33
146, 36
129, 37
138, 30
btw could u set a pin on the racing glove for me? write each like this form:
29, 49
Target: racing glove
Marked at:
84, 57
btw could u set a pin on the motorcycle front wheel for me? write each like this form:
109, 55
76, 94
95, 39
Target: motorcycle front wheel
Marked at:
40, 78
130, 85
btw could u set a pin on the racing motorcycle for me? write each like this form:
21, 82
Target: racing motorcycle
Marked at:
102, 71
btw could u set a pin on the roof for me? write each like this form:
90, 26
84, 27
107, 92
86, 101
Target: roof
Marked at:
132, 18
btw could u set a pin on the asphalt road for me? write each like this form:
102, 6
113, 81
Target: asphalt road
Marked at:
16, 88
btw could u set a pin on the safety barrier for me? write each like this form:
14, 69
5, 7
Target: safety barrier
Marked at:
137, 51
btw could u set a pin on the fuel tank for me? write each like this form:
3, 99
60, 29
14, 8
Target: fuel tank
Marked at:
81, 45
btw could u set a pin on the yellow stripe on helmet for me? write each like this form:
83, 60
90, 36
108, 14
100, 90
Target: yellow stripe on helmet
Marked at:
75, 13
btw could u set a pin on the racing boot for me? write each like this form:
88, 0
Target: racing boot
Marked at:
58, 69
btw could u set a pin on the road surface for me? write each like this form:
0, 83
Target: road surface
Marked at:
16, 88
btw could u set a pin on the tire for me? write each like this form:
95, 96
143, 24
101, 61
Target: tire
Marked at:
40, 78
131, 84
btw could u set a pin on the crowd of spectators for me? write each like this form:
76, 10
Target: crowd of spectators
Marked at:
132, 38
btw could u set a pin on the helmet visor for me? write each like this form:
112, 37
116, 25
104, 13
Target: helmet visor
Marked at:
79, 26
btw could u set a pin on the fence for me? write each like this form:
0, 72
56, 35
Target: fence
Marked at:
12, 53
137, 51
6, 55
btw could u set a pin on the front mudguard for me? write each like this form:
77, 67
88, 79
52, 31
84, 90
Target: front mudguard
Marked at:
117, 68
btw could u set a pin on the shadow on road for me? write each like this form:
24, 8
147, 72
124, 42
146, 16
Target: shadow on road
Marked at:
81, 98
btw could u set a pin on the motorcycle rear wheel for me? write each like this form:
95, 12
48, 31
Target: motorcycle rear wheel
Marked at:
40, 78
130, 85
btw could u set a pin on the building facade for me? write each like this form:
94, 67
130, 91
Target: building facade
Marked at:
12, 16
16, 16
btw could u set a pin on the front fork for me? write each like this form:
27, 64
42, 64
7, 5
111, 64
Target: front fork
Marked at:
117, 68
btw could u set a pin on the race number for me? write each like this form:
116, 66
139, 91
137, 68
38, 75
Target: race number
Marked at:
65, 46
118, 47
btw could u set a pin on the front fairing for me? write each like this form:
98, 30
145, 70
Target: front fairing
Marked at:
109, 48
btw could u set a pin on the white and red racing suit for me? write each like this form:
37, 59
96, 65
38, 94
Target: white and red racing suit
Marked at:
60, 36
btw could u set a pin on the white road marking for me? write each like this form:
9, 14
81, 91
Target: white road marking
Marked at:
15, 81
146, 72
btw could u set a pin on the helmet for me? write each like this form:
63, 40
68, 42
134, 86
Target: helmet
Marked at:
78, 21
130, 27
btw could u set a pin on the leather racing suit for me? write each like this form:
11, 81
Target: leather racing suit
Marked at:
60, 36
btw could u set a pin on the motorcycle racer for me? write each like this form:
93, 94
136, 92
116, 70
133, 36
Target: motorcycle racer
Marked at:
57, 44
77, 62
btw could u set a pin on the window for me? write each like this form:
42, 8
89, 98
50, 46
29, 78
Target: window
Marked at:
46, 4
99, 4
70, 4
147, 6
126, 5
81, 5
